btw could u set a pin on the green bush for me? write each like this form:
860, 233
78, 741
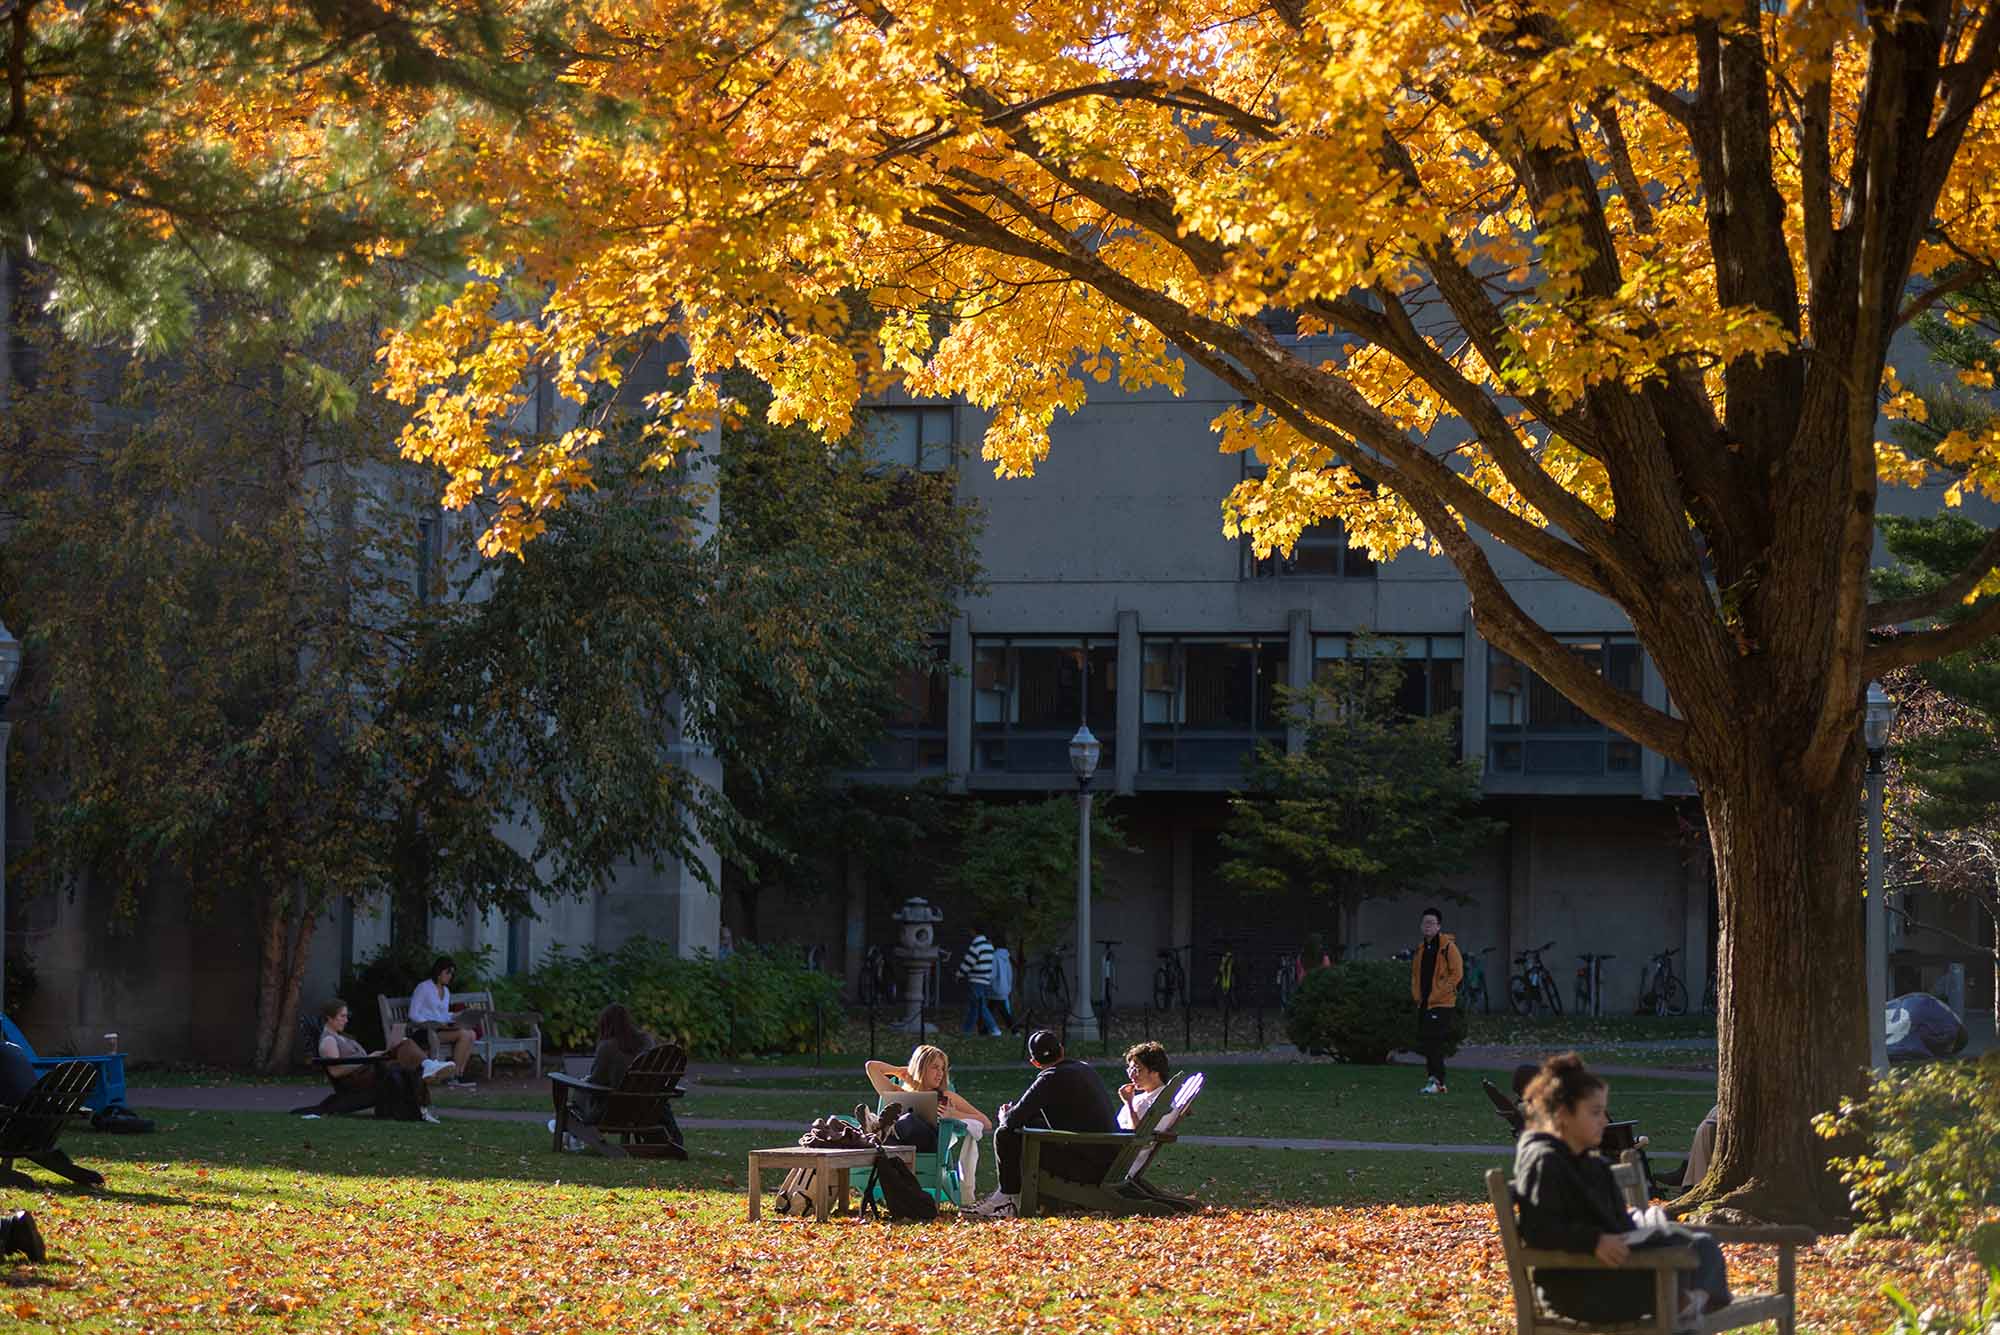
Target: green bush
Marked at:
1983, 1318
1360, 1012
755, 1001
394, 971
1931, 1171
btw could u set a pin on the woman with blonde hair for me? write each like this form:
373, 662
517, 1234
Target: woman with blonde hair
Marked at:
929, 1071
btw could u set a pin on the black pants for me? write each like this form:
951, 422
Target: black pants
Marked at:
1433, 1032
1076, 1163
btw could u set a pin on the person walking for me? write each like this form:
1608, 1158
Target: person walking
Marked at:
1003, 987
1435, 971
976, 968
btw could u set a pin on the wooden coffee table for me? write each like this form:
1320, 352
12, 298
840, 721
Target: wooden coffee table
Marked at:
830, 1167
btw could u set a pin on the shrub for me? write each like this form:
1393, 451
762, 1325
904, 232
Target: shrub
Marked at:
754, 1001
393, 971
1931, 1171
1360, 1012
1984, 1316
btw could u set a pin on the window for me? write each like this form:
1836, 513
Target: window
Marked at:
1030, 694
905, 437
913, 738
1206, 703
1321, 553
1432, 667
1531, 728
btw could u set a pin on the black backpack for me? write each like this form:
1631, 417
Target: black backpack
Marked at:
901, 1196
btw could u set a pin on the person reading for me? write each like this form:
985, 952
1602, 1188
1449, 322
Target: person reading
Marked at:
1146, 1070
1065, 1095
431, 1006
1570, 1202
404, 1080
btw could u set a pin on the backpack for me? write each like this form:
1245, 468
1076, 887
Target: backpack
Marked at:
901, 1196
399, 1094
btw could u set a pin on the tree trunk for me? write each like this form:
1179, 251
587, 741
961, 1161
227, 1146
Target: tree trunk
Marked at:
289, 925
1791, 995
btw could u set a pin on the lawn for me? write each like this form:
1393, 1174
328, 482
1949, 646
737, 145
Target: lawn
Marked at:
224, 1220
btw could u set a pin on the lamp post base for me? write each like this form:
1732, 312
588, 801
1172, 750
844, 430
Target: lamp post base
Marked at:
1083, 1029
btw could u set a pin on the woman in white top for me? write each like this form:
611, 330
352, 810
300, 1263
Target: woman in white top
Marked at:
430, 1006
929, 1069
1146, 1064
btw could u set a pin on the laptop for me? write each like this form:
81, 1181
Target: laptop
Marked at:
924, 1103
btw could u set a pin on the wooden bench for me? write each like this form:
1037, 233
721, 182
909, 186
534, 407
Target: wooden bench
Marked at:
636, 1111
491, 1042
1532, 1316
830, 1171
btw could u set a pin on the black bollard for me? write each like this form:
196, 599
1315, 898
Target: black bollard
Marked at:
819, 1033
1260, 1026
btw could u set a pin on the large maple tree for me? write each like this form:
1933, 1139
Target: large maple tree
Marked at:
1611, 285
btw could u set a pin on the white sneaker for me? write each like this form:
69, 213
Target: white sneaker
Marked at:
428, 1116
434, 1067
1431, 1087
552, 1126
998, 1206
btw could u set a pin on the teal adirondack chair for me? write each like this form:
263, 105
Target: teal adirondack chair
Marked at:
938, 1173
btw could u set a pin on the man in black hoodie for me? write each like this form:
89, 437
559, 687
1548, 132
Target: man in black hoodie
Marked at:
1065, 1095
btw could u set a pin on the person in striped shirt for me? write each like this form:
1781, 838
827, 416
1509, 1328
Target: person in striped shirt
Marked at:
975, 966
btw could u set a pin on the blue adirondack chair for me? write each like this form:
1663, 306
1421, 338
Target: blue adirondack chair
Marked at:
108, 1092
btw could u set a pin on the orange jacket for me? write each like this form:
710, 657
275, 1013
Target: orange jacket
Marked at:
1444, 980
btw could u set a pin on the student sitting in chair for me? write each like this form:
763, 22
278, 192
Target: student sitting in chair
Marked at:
1570, 1202
400, 1084
1147, 1070
929, 1072
1065, 1095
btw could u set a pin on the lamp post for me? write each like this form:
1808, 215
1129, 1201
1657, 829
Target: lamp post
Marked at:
1083, 752
10, 668
1876, 718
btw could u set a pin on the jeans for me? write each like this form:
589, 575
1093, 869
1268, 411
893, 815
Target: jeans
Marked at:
976, 1016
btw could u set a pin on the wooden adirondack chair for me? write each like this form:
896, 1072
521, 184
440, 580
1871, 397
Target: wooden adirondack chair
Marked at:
1123, 1188
1532, 1317
108, 1092
33, 1125
636, 1111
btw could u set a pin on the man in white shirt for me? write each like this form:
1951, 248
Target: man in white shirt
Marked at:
1146, 1065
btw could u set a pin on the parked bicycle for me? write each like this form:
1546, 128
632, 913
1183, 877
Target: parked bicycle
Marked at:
877, 984
1225, 975
1473, 985
1291, 972
1109, 965
1590, 984
1170, 985
1663, 993
1052, 983
1533, 985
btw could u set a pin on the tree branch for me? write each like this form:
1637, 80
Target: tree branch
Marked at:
1945, 596
1922, 646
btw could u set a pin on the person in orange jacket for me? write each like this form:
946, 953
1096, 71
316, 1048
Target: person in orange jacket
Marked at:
1435, 971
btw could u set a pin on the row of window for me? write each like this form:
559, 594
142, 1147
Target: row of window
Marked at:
1206, 701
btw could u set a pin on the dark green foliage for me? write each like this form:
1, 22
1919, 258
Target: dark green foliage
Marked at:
1375, 803
1017, 862
1360, 1012
755, 1001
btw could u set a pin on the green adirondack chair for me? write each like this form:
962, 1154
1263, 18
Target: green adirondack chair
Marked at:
1123, 1189
937, 1173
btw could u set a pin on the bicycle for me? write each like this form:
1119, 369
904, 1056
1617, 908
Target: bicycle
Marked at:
1052, 983
1590, 984
1534, 984
1291, 972
1664, 993
877, 984
1474, 982
1110, 967
1225, 975
1169, 978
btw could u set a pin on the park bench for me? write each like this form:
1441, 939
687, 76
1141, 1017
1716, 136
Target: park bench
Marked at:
1122, 1189
32, 1126
636, 1110
491, 1042
1532, 1316
107, 1093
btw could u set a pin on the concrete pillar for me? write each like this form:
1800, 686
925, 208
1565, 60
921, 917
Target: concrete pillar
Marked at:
1125, 767
1652, 765
958, 706
1181, 928
1298, 666
855, 938
1472, 719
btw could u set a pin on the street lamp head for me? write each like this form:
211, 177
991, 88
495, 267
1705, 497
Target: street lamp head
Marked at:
10, 662
1083, 752
1876, 718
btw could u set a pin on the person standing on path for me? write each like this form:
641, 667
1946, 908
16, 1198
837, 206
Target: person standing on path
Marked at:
1435, 971
976, 968
1003, 988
